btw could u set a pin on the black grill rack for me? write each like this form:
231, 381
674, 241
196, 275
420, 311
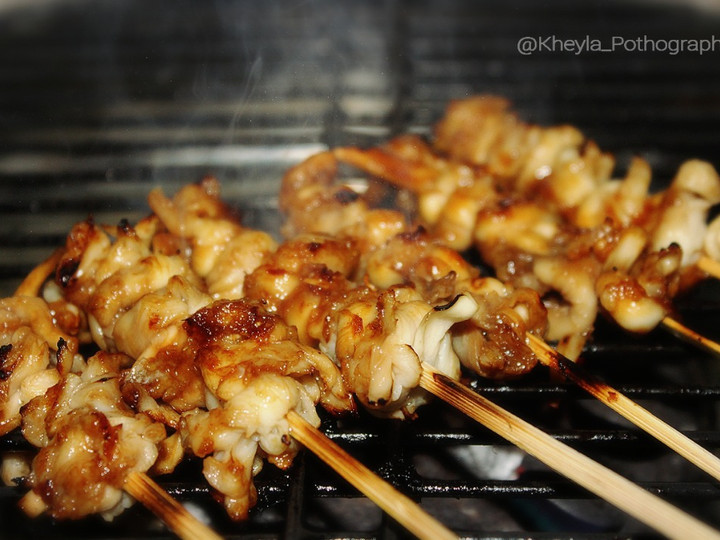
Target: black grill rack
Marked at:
101, 101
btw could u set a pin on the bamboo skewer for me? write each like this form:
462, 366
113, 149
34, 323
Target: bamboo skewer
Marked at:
397, 505
709, 266
681, 331
171, 512
629, 497
626, 407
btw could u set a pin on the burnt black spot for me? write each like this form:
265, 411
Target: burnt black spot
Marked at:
125, 226
21, 481
62, 347
563, 365
131, 395
414, 235
346, 196
505, 203
4, 352
66, 271
450, 304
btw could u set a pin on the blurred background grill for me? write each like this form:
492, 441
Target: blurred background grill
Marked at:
101, 101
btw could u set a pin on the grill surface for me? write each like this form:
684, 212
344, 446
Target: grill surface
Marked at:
101, 101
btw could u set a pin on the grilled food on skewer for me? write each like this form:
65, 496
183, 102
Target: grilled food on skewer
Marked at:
495, 336
161, 301
398, 255
378, 338
493, 342
89, 441
208, 233
541, 209
224, 353
379, 305
256, 373
29, 346
72, 410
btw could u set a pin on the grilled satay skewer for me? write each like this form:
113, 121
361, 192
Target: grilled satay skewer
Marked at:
512, 310
233, 318
624, 296
345, 321
138, 484
619, 268
85, 410
542, 211
165, 299
306, 282
440, 272
110, 335
243, 354
314, 200
88, 438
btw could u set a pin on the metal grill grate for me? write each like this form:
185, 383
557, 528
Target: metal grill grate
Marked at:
102, 101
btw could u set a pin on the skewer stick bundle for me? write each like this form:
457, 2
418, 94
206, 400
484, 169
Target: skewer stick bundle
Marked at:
589, 474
